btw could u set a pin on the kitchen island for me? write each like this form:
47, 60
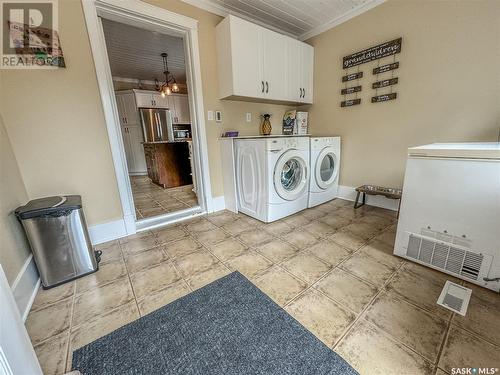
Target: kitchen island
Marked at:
168, 163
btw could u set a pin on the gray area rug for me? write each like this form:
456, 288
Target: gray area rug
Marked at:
226, 327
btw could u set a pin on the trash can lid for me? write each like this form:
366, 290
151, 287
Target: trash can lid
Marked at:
48, 205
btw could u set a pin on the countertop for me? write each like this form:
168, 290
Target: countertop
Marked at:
265, 136
160, 142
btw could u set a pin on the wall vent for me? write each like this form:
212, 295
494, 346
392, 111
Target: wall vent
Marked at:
445, 256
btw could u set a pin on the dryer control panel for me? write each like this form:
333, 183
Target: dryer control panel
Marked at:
285, 143
319, 143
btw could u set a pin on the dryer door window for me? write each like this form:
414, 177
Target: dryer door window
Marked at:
326, 168
290, 175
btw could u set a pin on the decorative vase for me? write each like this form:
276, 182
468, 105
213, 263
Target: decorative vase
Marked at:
265, 127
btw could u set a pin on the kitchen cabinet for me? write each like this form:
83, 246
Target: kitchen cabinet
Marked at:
254, 63
179, 105
134, 152
150, 99
168, 163
127, 108
300, 63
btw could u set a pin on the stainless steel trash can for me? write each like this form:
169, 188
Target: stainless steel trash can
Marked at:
59, 240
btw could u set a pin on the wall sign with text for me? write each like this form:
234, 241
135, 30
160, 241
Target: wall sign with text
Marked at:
385, 80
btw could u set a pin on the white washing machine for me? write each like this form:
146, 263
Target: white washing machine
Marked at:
272, 176
325, 168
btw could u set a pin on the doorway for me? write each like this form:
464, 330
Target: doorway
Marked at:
156, 129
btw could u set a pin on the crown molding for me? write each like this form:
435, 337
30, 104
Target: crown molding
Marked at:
223, 11
341, 19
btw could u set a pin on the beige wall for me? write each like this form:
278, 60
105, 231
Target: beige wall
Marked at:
449, 86
56, 123
14, 248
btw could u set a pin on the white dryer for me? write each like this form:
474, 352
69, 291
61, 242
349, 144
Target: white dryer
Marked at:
325, 168
272, 176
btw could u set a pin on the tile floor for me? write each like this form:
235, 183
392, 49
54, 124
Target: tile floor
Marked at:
330, 267
152, 200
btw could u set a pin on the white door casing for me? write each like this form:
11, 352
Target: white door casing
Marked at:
16, 352
140, 14
290, 175
326, 168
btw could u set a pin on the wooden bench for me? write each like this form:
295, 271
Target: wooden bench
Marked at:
391, 193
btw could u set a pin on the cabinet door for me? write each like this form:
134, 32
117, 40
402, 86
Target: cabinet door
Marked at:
121, 109
137, 150
144, 100
175, 107
128, 151
130, 109
274, 66
246, 59
180, 109
159, 101
294, 70
183, 111
307, 67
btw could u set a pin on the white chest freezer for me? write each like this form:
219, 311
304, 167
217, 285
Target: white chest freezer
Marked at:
450, 210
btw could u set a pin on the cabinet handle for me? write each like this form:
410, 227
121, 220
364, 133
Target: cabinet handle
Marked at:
262, 85
267, 87
304, 93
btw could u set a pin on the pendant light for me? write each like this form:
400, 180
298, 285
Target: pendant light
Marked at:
170, 85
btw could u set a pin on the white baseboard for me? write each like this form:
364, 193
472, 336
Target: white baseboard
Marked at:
218, 203
109, 231
349, 193
25, 286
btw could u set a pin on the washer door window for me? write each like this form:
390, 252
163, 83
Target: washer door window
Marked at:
326, 168
290, 175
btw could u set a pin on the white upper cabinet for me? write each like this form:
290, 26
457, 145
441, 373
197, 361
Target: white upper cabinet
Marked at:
150, 99
300, 65
307, 68
257, 63
127, 109
274, 67
181, 109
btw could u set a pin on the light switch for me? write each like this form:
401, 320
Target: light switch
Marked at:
249, 117
218, 116
210, 115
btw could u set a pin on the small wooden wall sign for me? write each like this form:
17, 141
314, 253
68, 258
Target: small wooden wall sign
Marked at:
350, 103
384, 98
385, 83
350, 90
352, 76
386, 68
373, 53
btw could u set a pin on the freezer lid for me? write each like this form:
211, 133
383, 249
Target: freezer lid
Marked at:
472, 150
48, 206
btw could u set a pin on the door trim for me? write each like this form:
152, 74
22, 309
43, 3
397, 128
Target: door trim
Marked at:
139, 14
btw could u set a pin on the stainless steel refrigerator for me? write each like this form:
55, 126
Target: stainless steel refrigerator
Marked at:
157, 124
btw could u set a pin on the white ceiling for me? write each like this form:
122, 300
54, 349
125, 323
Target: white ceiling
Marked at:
135, 53
299, 18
